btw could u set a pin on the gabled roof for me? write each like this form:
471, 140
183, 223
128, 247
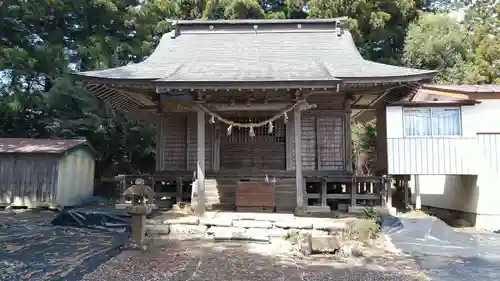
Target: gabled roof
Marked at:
220, 53
40, 146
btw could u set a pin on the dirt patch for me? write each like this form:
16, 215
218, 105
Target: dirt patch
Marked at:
204, 261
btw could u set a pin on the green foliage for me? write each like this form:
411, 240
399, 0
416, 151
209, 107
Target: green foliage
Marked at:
371, 214
41, 42
244, 9
378, 27
438, 42
465, 51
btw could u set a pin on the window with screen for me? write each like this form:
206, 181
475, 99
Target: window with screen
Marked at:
426, 122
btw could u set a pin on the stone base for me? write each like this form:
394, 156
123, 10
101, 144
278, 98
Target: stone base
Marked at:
378, 209
242, 226
457, 218
123, 206
137, 246
318, 209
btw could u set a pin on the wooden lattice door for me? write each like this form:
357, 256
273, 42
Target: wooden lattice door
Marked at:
263, 151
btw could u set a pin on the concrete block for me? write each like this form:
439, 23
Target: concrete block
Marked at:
325, 243
162, 229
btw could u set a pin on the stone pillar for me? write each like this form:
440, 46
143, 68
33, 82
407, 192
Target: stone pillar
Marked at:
138, 236
138, 228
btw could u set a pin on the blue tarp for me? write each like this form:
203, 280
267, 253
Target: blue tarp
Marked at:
95, 217
443, 253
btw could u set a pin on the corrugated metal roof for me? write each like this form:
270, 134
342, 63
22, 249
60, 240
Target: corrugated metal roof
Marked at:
488, 88
50, 146
253, 51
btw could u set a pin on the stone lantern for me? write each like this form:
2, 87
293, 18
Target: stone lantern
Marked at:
139, 192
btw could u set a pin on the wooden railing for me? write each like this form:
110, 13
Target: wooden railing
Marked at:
166, 185
341, 191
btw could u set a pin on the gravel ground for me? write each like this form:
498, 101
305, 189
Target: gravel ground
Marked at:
170, 260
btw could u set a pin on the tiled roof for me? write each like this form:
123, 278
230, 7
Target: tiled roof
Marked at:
51, 146
253, 51
489, 88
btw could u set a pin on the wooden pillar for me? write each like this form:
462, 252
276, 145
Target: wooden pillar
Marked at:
388, 190
348, 136
297, 122
354, 189
418, 200
323, 192
123, 187
179, 182
406, 186
200, 165
159, 143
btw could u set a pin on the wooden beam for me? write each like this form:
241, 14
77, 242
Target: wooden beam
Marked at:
250, 107
297, 121
362, 107
200, 170
344, 196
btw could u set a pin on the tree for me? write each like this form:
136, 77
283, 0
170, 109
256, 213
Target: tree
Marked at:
378, 27
464, 51
42, 41
483, 22
438, 42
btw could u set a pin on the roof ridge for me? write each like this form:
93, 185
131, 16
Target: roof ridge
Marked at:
257, 31
257, 25
257, 21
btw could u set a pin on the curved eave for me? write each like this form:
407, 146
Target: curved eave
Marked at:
257, 84
120, 101
390, 79
110, 81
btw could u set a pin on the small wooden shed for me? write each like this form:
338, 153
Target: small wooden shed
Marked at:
45, 172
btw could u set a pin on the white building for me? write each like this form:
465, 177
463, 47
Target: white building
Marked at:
447, 138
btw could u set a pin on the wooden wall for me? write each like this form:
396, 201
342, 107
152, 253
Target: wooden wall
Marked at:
178, 143
323, 141
26, 179
323, 144
31, 180
323, 137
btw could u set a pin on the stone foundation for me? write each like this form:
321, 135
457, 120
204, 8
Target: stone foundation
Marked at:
257, 227
465, 219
